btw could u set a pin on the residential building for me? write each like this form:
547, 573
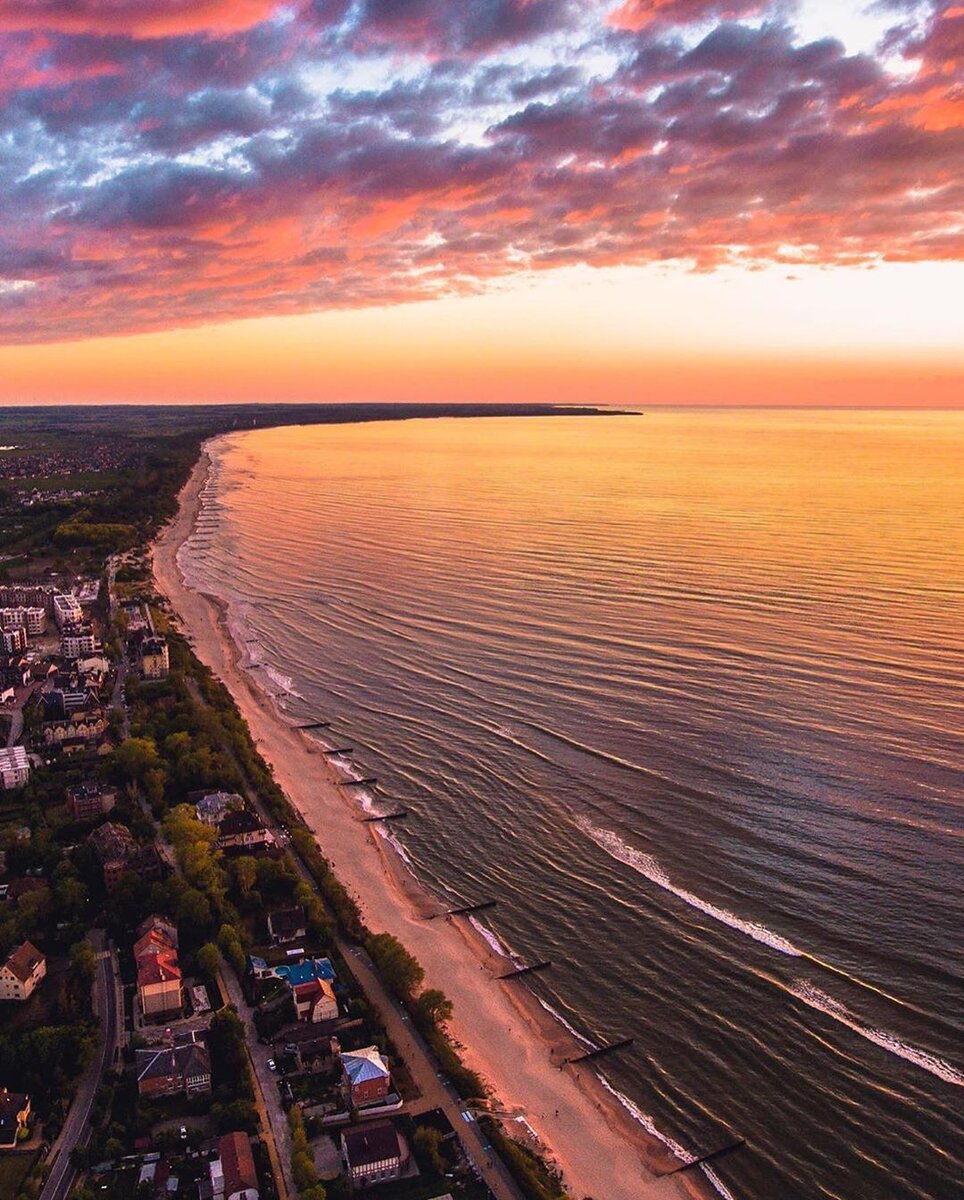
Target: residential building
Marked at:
114, 847
302, 972
367, 1076
233, 1173
287, 925
88, 800
160, 988
315, 1001
77, 640
21, 595
67, 610
242, 830
182, 1066
21, 972
214, 806
14, 1118
33, 620
155, 658
14, 639
14, 670
80, 730
14, 767
374, 1153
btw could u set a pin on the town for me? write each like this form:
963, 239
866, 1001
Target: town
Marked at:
191, 1006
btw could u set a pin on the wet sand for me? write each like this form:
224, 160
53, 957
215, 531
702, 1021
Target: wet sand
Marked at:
506, 1035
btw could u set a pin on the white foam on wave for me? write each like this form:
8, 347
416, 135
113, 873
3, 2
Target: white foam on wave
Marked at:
648, 866
673, 1146
562, 1021
491, 939
815, 998
395, 844
284, 682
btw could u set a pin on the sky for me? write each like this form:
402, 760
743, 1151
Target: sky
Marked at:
610, 201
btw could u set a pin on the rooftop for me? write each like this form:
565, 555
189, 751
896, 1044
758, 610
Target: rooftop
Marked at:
371, 1144
23, 960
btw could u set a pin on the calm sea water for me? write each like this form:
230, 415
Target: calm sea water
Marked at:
684, 692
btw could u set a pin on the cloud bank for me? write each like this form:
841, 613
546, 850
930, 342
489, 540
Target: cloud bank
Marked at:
165, 164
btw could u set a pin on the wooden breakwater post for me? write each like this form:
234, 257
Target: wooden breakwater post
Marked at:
599, 1051
529, 970
713, 1155
465, 909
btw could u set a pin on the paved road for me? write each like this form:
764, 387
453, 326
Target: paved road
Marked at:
77, 1125
273, 1116
117, 700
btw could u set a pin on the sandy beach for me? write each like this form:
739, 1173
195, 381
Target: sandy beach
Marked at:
507, 1037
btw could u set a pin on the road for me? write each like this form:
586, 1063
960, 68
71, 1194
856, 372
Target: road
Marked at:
274, 1120
77, 1125
117, 700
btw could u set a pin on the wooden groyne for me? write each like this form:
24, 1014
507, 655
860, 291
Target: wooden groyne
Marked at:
370, 781
315, 725
399, 815
339, 752
600, 1051
711, 1157
465, 909
539, 966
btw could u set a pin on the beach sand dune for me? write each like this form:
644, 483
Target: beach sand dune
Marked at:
507, 1036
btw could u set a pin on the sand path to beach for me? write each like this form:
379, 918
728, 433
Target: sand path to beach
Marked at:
600, 1150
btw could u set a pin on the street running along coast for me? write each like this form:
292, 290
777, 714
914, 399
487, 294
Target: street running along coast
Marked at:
601, 1149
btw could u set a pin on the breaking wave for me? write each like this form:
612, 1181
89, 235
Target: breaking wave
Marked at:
648, 866
815, 998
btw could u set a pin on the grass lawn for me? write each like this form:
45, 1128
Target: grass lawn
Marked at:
14, 1169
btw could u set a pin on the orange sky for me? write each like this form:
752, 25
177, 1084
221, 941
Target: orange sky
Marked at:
889, 337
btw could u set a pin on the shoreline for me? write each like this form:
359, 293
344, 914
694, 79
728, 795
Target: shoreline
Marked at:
503, 1030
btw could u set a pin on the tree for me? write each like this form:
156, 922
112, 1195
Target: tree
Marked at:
208, 960
135, 756
245, 871
428, 1146
401, 971
433, 1007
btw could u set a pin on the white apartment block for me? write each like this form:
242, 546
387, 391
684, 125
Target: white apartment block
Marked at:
76, 642
67, 610
14, 767
33, 620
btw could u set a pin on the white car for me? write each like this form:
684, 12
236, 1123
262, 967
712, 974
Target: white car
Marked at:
272, 1065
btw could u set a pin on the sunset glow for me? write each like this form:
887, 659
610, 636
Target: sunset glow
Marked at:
648, 201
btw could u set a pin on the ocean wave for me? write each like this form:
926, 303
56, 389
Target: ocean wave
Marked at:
282, 681
673, 1146
648, 866
491, 939
815, 998
396, 845
562, 1021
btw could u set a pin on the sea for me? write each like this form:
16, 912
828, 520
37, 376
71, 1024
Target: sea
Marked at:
683, 691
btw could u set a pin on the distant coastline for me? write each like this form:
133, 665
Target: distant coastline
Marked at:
578, 1119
